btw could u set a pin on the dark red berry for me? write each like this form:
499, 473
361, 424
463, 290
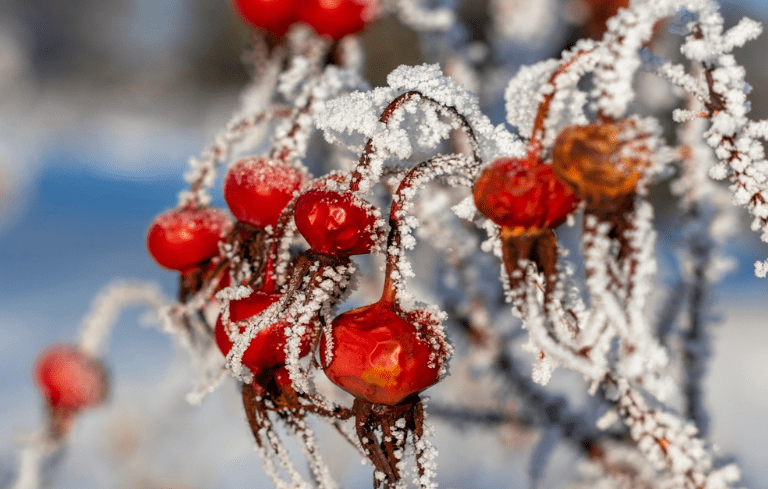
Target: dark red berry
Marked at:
182, 238
337, 224
258, 189
380, 357
69, 379
267, 348
337, 18
276, 16
598, 13
282, 377
523, 193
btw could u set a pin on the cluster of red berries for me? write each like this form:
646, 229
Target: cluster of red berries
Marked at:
334, 18
378, 355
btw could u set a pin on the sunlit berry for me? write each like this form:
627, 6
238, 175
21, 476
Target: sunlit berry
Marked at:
599, 160
70, 380
337, 18
276, 16
258, 189
182, 238
522, 193
267, 348
380, 357
336, 224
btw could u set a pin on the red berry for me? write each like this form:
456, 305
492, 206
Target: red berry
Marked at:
523, 193
282, 377
337, 224
380, 357
276, 16
70, 380
182, 238
337, 18
258, 189
267, 348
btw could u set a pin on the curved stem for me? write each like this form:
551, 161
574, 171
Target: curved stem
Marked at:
286, 147
417, 177
397, 104
250, 404
537, 135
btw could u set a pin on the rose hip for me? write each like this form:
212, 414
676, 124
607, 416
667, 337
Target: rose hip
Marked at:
522, 193
275, 16
258, 189
381, 357
336, 224
182, 238
337, 18
69, 379
267, 348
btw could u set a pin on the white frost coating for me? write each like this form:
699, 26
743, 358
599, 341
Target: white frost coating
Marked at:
37, 449
567, 105
96, 326
249, 119
465, 209
670, 443
426, 456
358, 115
273, 449
627, 32
522, 108
311, 447
761, 268
732, 135
413, 14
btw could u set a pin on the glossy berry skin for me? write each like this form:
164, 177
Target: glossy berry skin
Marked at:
69, 380
336, 224
337, 18
523, 193
258, 189
182, 238
596, 161
380, 357
267, 348
275, 16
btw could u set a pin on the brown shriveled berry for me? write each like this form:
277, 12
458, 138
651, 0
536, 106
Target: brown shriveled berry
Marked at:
599, 160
